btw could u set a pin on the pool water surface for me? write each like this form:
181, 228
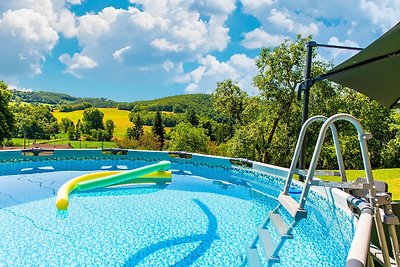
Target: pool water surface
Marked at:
194, 221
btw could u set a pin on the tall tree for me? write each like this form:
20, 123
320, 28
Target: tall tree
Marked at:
136, 131
109, 127
92, 119
158, 128
185, 137
229, 100
279, 71
7, 121
191, 117
66, 124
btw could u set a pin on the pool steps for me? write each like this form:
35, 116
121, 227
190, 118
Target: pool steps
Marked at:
292, 206
297, 208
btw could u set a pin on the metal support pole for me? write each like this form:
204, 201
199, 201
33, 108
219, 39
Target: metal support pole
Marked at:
306, 97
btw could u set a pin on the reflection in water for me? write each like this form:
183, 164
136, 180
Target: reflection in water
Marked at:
206, 240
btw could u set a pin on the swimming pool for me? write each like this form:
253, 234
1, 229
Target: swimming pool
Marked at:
207, 216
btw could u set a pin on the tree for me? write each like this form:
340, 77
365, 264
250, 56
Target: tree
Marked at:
149, 141
66, 124
158, 128
191, 117
34, 121
229, 100
7, 121
92, 120
109, 130
279, 71
136, 131
185, 137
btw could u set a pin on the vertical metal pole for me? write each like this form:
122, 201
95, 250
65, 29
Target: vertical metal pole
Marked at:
306, 97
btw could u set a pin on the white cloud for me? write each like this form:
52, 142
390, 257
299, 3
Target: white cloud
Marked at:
75, 2
26, 39
339, 55
21, 89
259, 38
165, 45
76, 63
117, 55
168, 65
282, 19
385, 13
252, 6
67, 24
204, 78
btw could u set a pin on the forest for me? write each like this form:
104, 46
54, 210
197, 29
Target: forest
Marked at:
227, 122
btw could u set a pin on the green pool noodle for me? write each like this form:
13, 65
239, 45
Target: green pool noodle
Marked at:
122, 177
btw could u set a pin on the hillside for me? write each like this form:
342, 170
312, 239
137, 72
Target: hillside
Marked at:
178, 104
202, 103
58, 99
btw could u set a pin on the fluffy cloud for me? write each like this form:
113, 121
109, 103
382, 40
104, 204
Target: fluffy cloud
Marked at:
339, 55
239, 68
142, 38
26, 38
282, 19
76, 63
66, 24
384, 13
259, 38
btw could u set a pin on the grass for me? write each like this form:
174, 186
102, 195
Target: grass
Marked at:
86, 144
390, 176
120, 118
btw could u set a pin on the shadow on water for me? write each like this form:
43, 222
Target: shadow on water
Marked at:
206, 240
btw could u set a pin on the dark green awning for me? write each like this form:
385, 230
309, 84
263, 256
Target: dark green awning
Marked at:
375, 71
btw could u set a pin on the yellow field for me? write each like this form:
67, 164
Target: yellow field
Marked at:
120, 118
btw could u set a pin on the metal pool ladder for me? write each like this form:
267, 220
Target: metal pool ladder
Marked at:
296, 209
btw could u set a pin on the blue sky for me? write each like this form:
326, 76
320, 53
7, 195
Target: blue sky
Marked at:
130, 50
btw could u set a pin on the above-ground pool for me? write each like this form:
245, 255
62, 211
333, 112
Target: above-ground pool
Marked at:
207, 216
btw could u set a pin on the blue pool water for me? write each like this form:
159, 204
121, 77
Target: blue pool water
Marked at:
205, 217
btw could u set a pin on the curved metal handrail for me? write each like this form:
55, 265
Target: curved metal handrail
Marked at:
300, 141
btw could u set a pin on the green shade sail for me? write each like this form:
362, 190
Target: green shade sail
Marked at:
375, 71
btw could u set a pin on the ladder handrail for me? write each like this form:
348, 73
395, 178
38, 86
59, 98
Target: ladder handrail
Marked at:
317, 150
300, 140
362, 138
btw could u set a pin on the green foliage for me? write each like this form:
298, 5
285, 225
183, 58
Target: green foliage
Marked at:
92, 120
136, 131
279, 70
73, 107
229, 100
109, 127
191, 117
66, 124
51, 98
179, 104
34, 121
158, 129
185, 137
7, 121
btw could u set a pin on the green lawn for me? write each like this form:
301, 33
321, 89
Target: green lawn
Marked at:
85, 144
390, 176
19, 142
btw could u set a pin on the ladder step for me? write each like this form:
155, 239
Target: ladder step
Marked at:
280, 225
253, 259
267, 245
292, 206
